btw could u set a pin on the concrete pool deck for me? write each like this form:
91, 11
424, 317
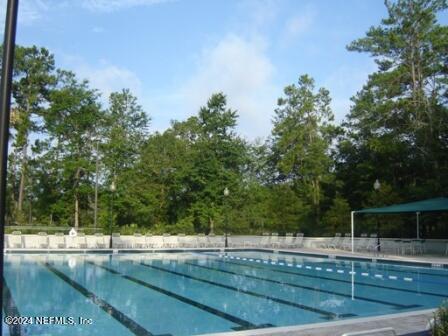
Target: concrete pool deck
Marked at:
402, 323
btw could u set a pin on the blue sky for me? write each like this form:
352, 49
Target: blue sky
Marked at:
173, 54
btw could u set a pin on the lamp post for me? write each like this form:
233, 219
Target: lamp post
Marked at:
226, 195
376, 187
113, 188
95, 214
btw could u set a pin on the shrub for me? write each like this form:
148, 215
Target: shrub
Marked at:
440, 325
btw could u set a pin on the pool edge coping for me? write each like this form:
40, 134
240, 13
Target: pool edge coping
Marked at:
314, 326
318, 254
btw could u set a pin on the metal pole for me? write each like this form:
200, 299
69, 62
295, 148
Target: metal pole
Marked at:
111, 218
5, 109
226, 244
353, 231
418, 225
95, 215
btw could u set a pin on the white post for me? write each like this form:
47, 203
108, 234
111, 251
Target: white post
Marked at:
353, 231
418, 225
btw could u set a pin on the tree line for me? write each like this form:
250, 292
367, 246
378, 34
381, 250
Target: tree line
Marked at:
67, 148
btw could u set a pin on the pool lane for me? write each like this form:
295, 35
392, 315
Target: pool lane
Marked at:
38, 292
259, 309
388, 289
293, 290
397, 306
155, 311
130, 324
325, 314
433, 276
10, 309
313, 271
242, 323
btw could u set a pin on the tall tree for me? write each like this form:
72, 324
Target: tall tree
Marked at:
73, 118
397, 128
32, 82
301, 139
216, 160
125, 133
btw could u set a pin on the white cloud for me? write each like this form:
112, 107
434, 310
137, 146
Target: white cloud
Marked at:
109, 78
104, 76
241, 69
113, 5
29, 12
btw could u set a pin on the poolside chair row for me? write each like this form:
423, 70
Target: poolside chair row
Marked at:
288, 241
364, 243
167, 241
370, 244
57, 240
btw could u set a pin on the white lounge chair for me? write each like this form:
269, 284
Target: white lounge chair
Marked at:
57, 240
117, 242
139, 241
288, 241
150, 240
171, 242
189, 241
346, 242
264, 241
81, 241
274, 241
15, 240
213, 240
100, 240
362, 242
201, 240
335, 242
182, 240
299, 239
42, 240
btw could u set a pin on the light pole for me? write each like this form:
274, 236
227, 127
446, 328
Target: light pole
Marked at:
95, 214
376, 187
113, 188
226, 221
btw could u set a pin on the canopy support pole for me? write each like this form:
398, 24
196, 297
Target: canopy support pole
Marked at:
353, 230
418, 224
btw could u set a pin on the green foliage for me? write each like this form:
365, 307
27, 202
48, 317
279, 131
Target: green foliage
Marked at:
301, 140
337, 217
305, 178
440, 325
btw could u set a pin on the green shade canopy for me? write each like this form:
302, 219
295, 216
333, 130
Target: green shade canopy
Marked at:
429, 205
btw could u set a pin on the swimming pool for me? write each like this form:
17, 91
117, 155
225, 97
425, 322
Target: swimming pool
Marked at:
190, 293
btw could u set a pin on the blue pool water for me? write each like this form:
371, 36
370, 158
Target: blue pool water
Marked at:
198, 293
